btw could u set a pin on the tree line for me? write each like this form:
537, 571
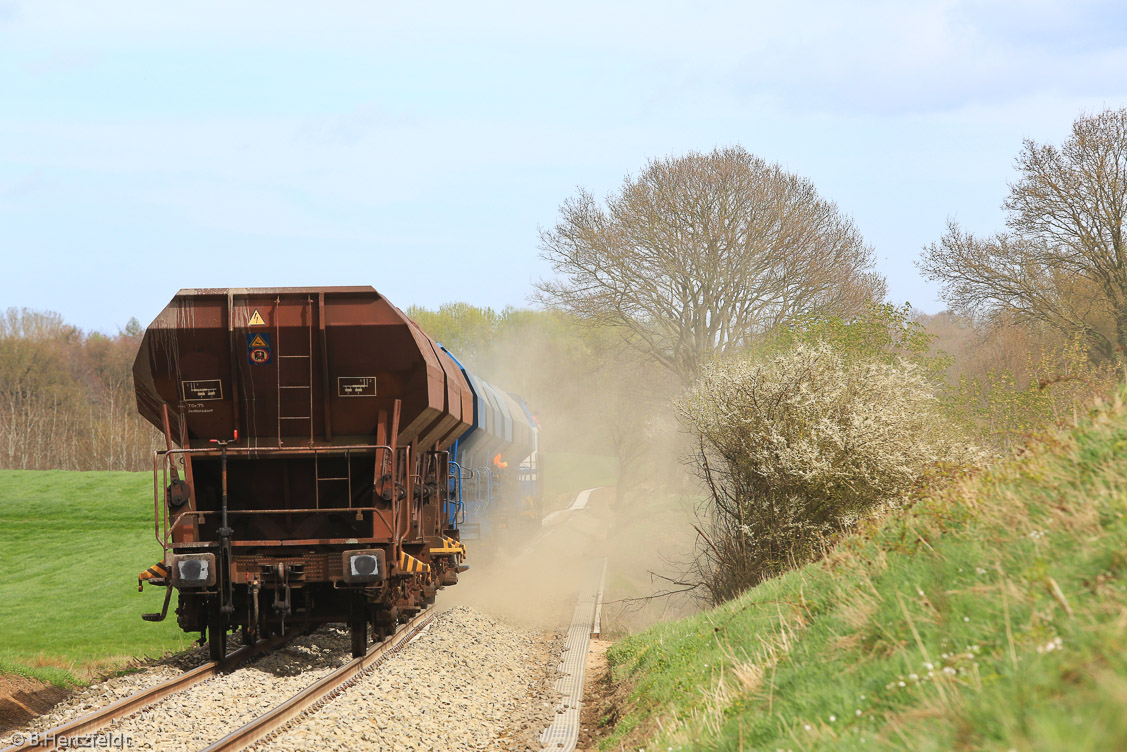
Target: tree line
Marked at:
66, 397
760, 297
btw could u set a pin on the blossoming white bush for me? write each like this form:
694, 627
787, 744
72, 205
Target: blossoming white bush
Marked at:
801, 445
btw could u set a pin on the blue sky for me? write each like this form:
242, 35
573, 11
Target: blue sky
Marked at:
147, 146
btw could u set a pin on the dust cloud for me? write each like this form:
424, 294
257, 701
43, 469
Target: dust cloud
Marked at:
533, 576
606, 423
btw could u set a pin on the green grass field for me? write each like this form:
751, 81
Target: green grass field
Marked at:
71, 545
566, 474
992, 616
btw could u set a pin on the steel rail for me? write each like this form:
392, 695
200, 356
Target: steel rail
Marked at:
48, 740
597, 625
317, 694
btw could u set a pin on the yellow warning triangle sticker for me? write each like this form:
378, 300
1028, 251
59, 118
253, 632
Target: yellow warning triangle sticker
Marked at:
258, 341
256, 320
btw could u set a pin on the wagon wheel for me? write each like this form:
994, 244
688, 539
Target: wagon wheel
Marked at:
216, 631
252, 629
250, 634
383, 623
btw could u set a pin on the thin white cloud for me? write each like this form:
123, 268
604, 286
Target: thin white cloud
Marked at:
884, 56
926, 57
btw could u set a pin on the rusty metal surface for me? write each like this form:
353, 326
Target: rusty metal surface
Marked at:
262, 488
316, 567
268, 362
309, 421
129, 705
305, 542
313, 696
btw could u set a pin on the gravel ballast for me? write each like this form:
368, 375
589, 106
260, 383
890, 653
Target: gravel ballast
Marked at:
467, 682
109, 691
192, 719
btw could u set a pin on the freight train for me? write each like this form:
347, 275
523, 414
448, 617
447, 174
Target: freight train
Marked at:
324, 461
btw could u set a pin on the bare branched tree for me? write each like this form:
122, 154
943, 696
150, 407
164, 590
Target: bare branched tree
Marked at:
701, 252
1063, 262
66, 398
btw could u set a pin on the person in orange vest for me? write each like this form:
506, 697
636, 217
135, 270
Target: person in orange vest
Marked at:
499, 462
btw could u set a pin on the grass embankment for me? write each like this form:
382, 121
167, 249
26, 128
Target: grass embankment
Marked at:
71, 545
991, 616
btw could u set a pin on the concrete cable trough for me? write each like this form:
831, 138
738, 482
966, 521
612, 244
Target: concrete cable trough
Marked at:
563, 734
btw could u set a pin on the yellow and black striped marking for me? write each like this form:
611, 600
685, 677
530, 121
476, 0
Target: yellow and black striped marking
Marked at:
528, 506
450, 546
159, 570
410, 564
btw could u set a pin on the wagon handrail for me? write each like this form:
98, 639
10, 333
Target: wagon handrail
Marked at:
162, 459
206, 452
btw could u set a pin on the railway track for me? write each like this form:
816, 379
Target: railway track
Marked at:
317, 694
74, 733
103, 717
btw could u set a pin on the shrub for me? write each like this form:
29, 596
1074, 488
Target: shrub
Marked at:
800, 446
882, 331
1060, 382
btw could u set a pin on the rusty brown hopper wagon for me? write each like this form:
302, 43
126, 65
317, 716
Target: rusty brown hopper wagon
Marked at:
306, 478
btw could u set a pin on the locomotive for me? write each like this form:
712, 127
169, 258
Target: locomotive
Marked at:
324, 461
